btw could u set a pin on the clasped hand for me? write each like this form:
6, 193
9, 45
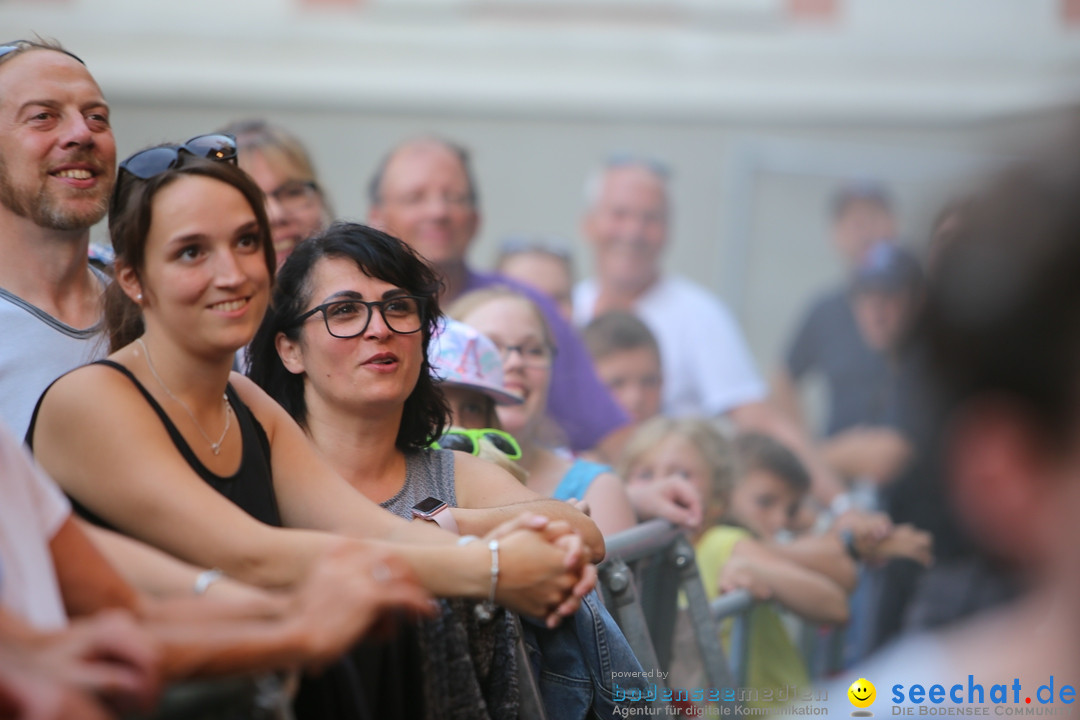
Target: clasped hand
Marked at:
544, 570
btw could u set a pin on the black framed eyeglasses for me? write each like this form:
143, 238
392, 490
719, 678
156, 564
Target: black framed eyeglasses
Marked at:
145, 164
468, 440
533, 354
293, 193
348, 318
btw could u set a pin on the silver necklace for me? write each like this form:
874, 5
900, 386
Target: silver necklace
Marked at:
215, 447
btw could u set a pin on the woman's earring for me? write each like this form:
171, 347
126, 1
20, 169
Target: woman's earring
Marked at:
138, 298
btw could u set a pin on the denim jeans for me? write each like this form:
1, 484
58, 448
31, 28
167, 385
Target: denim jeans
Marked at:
579, 663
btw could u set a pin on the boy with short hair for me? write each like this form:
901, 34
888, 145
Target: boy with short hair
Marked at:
770, 487
627, 359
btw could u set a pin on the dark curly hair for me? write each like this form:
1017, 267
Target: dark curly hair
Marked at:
379, 256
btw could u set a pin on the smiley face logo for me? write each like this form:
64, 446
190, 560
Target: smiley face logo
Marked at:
862, 693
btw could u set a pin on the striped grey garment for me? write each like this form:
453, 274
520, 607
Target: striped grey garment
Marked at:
427, 473
469, 667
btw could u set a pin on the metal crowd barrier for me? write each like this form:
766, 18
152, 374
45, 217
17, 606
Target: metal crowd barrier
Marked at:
648, 567
736, 604
646, 570
821, 646
638, 545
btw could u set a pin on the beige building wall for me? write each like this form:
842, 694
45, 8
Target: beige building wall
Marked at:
759, 112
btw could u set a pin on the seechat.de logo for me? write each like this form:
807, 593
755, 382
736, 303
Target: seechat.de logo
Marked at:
862, 694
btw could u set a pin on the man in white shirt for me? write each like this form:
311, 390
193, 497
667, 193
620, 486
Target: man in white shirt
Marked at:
707, 367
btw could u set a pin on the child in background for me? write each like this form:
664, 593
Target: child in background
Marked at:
627, 359
763, 503
467, 366
543, 263
732, 556
769, 494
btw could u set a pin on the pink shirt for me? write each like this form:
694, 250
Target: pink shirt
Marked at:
32, 510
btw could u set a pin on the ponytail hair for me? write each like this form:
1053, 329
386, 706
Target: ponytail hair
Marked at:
123, 318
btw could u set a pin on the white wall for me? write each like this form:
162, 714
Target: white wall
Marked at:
758, 115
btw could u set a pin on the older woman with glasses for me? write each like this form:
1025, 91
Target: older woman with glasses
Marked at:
518, 329
163, 442
296, 205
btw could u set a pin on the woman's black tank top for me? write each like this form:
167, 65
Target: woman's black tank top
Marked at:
340, 692
251, 488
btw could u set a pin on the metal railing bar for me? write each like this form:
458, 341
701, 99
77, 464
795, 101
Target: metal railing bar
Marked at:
706, 631
642, 540
731, 603
620, 597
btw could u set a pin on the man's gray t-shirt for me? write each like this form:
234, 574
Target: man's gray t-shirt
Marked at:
37, 348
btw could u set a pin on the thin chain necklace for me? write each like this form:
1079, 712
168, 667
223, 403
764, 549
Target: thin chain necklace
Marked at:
214, 446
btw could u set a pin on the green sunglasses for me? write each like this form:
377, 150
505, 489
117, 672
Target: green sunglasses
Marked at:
468, 440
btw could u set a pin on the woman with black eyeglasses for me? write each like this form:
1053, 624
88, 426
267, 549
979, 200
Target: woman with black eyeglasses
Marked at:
344, 350
164, 443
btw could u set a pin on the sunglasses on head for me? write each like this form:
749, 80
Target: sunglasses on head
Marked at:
468, 440
145, 164
20, 45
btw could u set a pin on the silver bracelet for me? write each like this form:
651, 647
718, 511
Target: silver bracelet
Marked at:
493, 546
205, 579
485, 611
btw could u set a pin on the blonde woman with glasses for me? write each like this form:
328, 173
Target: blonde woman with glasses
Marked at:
517, 327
